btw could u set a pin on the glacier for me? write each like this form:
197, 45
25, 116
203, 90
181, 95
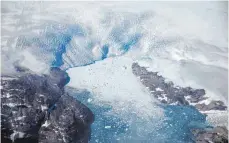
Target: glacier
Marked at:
96, 44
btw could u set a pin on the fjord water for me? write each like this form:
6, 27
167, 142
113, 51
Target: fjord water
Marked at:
175, 128
125, 111
96, 43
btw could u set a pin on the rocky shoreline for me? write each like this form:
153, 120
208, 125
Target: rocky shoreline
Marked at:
168, 93
35, 108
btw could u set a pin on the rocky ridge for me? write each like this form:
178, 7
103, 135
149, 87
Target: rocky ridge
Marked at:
168, 93
35, 108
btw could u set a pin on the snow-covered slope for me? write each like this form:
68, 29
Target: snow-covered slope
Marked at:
189, 38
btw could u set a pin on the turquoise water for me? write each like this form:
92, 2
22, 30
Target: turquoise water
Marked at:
111, 128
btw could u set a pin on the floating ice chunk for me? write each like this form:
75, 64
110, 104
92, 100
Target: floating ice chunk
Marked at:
89, 100
107, 127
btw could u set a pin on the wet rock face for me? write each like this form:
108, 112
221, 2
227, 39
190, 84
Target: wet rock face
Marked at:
215, 135
36, 109
168, 93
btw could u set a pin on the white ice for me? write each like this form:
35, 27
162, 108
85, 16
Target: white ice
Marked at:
111, 81
186, 42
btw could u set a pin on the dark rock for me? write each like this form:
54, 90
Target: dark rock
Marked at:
214, 135
167, 92
58, 76
69, 122
31, 101
158, 86
213, 105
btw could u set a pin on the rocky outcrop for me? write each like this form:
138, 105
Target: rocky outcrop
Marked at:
215, 135
35, 108
213, 105
168, 93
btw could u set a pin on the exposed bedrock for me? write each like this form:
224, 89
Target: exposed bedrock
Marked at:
35, 108
213, 105
168, 93
216, 135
